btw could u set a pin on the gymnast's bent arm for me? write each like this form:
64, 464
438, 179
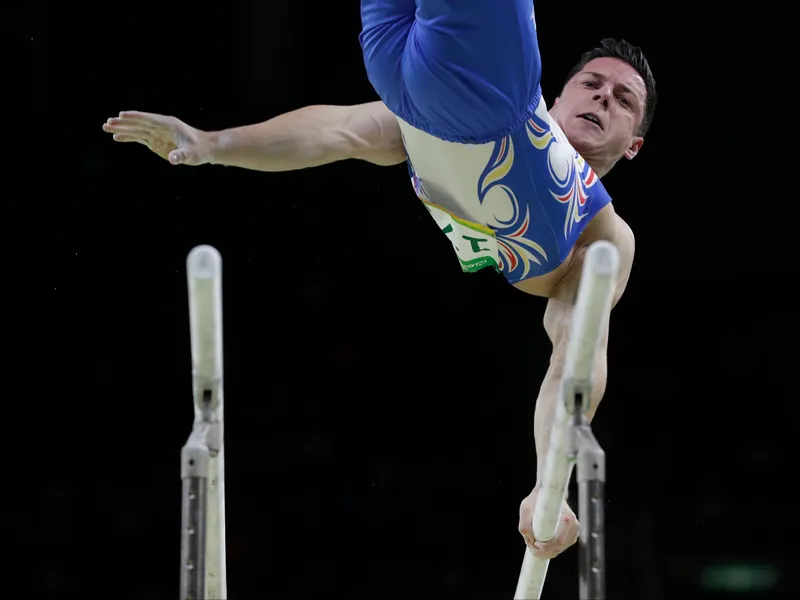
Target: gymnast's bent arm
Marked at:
307, 137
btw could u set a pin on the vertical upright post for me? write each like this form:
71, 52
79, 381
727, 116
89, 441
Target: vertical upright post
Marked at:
591, 475
203, 562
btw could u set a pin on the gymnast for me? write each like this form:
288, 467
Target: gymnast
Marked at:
513, 184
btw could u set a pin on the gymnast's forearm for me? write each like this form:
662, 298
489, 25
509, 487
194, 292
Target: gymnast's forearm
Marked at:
546, 408
543, 418
307, 137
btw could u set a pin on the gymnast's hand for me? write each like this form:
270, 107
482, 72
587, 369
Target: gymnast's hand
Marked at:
170, 138
566, 534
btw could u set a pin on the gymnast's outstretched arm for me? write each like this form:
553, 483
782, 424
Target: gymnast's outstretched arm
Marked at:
307, 137
557, 324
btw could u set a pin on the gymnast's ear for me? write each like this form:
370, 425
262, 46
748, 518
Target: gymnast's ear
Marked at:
633, 149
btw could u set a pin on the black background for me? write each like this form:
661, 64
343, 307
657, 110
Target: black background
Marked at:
379, 403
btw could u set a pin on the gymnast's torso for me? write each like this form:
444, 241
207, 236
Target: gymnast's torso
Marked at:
517, 204
495, 170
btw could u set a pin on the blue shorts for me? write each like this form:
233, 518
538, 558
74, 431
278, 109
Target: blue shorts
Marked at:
464, 71
486, 157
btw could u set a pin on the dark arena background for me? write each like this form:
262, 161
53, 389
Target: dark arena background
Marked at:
379, 403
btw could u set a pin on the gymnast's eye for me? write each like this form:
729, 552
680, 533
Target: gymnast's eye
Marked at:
589, 84
624, 101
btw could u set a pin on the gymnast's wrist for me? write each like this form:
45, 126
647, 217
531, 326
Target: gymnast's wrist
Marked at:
214, 142
538, 488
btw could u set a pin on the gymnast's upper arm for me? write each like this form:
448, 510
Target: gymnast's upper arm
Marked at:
558, 314
370, 132
626, 244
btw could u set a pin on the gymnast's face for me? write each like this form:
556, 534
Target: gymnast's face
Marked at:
601, 110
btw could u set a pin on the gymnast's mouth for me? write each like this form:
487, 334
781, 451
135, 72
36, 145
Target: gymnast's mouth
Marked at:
592, 118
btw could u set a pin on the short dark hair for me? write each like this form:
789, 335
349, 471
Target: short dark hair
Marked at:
633, 55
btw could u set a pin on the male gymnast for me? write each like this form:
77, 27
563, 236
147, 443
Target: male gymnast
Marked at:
513, 185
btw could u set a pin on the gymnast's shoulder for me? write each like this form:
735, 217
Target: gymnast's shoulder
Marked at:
373, 134
608, 225
562, 283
